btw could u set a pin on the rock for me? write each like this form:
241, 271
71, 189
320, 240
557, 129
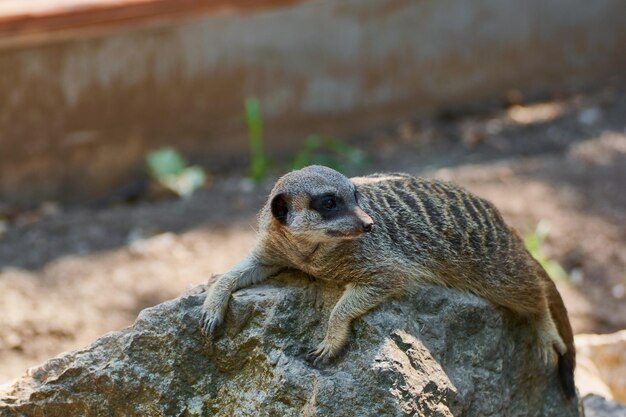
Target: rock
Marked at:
596, 406
589, 116
437, 352
603, 359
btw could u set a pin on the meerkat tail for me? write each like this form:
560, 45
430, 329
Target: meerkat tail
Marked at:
567, 361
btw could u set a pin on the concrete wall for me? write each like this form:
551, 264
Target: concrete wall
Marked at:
78, 111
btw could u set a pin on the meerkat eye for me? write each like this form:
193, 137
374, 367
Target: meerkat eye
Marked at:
329, 203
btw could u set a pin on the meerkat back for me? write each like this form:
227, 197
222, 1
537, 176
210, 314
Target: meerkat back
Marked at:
455, 239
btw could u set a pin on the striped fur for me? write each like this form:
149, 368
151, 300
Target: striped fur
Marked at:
424, 230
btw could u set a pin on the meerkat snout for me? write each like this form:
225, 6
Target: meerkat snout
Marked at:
366, 221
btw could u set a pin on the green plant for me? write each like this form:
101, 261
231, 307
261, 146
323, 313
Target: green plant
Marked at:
258, 161
169, 168
328, 151
317, 149
534, 243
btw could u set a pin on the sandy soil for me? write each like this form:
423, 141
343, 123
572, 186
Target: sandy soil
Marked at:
70, 274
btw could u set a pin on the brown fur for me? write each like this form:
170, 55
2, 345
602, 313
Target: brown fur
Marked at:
424, 231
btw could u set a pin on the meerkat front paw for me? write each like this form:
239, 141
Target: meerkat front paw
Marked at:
213, 311
321, 355
210, 321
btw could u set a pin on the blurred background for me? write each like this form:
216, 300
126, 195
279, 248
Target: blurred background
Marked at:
138, 138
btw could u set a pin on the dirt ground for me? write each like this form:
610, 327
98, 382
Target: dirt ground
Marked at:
70, 274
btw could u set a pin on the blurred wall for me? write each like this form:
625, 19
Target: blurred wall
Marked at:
78, 110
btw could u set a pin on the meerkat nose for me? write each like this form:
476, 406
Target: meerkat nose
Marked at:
366, 220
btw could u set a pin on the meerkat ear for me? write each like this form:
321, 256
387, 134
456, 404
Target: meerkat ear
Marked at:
280, 208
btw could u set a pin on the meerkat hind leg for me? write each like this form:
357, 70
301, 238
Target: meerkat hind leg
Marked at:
532, 303
550, 341
247, 272
354, 302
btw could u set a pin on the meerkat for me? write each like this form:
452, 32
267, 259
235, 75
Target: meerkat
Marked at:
378, 234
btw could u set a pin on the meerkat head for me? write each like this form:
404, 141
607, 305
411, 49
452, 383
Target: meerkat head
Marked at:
318, 204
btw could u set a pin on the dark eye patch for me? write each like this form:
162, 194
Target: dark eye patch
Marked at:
328, 205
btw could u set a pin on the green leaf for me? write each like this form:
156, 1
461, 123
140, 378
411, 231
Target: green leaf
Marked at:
165, 161
534, 244
186, 182
328, 151
169, 169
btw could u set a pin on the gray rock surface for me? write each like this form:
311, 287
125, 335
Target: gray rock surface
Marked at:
437, 352
597, 406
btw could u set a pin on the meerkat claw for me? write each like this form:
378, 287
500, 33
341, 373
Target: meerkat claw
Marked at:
320, 356
209, 323
315, 359
310, 356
